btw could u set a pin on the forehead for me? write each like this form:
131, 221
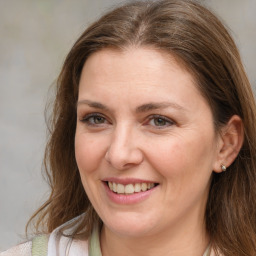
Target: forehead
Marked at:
139, 74
133, 63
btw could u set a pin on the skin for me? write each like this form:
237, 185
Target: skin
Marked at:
178, 151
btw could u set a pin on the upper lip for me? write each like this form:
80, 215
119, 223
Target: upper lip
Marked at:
126, 181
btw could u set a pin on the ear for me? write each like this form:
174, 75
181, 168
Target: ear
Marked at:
230, 142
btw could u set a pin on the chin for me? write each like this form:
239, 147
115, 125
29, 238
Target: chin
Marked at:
130, 226
129, 230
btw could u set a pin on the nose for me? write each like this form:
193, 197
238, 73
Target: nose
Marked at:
124, 151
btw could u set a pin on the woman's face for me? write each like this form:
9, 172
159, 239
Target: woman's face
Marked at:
145, 142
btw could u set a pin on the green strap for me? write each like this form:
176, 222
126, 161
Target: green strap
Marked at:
40, 245
94, 243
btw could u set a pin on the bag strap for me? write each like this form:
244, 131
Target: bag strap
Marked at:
40, 245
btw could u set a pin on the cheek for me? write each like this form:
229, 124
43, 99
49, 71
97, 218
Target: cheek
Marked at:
88, 153
167, 158
182, 157
183, 165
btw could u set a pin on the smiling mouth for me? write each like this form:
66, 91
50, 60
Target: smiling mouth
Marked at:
130, 188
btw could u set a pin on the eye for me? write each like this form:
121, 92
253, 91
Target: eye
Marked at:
160, 121
94, 119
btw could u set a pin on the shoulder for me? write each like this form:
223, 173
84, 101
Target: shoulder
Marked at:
64, 244
53, 244
19, 250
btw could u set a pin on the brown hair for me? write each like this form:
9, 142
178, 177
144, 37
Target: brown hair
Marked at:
192, 34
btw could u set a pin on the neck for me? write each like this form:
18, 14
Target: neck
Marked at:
179, 240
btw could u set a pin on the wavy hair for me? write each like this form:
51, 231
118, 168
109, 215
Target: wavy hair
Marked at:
195, 36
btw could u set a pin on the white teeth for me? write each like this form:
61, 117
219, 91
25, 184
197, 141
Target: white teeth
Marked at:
120, 188
110, 184
114, 187
130, 188
144, 186
137, 187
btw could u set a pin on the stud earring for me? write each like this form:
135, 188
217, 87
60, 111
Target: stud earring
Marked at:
223, 167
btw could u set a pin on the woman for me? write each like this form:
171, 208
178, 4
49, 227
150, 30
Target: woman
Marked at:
151, 150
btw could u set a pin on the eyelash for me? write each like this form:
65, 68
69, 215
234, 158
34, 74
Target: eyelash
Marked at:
167, 122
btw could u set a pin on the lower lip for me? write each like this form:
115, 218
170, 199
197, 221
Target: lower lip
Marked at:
128, 198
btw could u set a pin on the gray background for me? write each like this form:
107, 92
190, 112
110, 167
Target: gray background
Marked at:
35, 36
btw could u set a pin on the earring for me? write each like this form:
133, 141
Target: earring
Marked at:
223, 167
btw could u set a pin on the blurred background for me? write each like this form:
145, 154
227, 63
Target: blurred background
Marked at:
35, 36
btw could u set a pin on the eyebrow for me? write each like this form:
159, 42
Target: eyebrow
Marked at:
140, 109
158, 105
92, 104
